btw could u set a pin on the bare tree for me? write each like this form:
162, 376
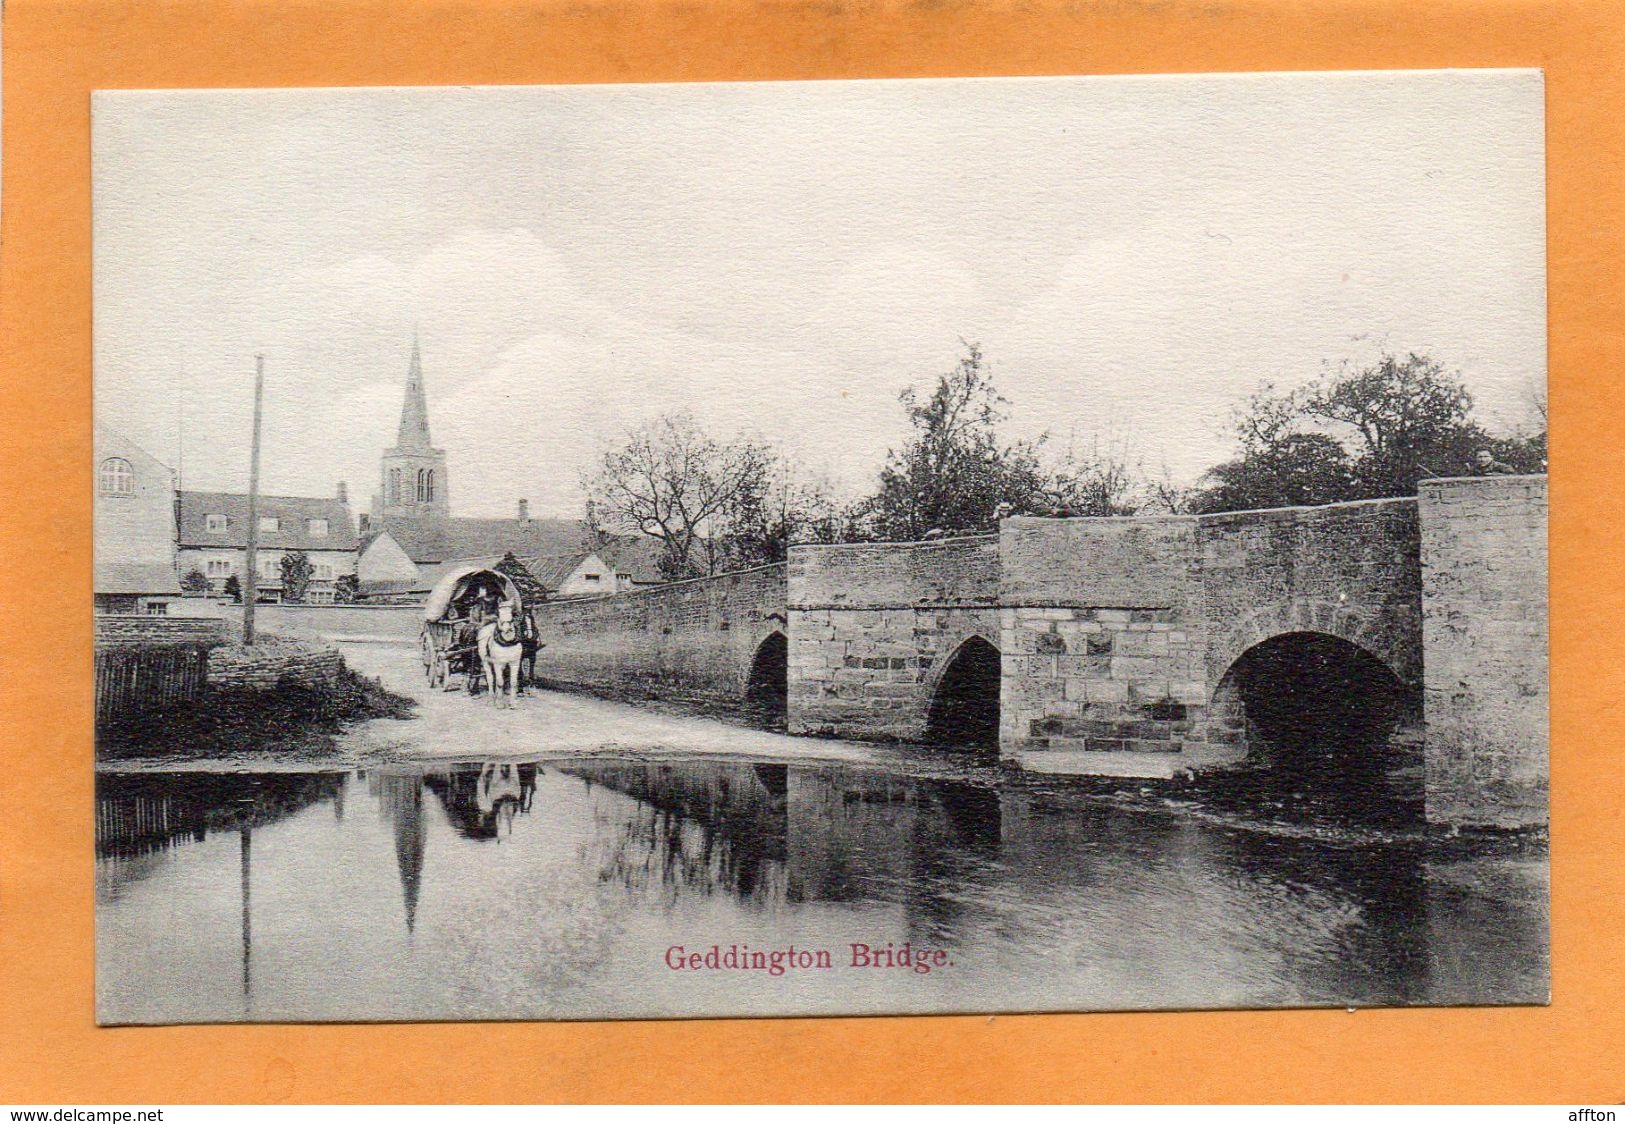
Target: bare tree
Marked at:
671, 481
1105, 477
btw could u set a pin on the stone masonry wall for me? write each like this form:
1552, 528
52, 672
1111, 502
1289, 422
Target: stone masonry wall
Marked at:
1118, 631
1484, 605
1350, 570
873, 626
692, 639
275, 662
1102, 637
124, 631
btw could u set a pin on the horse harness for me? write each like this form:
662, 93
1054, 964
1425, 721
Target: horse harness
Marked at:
506, 636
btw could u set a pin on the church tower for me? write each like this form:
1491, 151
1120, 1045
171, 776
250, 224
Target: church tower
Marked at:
414, 471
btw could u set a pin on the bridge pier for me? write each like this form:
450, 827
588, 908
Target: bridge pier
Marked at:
875, 627
1484, 629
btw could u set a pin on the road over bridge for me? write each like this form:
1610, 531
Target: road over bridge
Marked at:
1138, 645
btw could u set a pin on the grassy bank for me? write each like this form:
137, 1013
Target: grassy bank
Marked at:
293, 721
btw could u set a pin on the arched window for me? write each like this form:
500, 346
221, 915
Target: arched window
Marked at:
394, 485
428, 487
421, 473
117, 477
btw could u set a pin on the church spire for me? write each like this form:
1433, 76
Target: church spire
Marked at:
414, 479
414, 431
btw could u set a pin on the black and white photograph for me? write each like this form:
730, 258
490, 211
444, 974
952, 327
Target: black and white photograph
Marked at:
771, 549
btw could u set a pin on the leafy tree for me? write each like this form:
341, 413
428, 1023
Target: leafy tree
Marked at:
233, 588
1409, 418
296, 574
955, 470
774, 509
1298, 468
1360, 433
1107, 478
530, 589
346, 589
194, 581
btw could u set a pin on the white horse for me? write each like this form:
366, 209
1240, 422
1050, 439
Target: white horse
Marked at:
501, 644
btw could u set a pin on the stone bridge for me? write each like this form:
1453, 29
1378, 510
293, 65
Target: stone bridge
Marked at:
719, 640
1135, 646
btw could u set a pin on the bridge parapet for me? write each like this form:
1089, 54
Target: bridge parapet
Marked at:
959, 571
1349, 570
689, 639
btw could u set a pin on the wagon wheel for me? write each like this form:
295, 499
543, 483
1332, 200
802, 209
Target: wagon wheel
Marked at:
426, 653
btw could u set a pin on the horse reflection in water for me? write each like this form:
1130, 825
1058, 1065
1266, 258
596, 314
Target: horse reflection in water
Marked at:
482, 803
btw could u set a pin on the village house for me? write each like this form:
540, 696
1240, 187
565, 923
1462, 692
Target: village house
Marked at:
135, 528
213, 540
586, 573
405, 557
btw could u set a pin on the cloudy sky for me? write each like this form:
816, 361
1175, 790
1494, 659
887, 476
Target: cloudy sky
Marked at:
1133, 254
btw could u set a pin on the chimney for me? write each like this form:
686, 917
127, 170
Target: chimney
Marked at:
344, 492
366, 522
524, 511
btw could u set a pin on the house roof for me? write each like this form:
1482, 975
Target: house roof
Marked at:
136, 577
552, 569
294, 513
430, 540
638, 555
385, 587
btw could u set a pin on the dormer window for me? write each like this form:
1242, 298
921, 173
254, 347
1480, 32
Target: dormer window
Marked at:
318, 528
216, 524
270, 523
592, 578
117, 477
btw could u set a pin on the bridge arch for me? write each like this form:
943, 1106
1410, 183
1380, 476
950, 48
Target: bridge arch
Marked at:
1391, 634
1314, 703
963, 707
767, 681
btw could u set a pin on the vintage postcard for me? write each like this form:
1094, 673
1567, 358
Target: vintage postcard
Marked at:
802, 548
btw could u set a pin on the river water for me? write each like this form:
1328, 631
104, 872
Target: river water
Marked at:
560, 889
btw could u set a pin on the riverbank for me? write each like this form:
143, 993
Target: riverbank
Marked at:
292, 723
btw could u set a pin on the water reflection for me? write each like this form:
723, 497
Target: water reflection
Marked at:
554, 889
482, 801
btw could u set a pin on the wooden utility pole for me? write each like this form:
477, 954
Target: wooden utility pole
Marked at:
251, 584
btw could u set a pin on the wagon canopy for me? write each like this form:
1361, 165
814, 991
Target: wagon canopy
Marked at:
462, 581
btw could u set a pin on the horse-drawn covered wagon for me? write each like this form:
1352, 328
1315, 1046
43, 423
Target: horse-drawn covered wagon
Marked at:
476, 625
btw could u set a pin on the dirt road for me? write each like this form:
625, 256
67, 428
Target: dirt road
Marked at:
548, 723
